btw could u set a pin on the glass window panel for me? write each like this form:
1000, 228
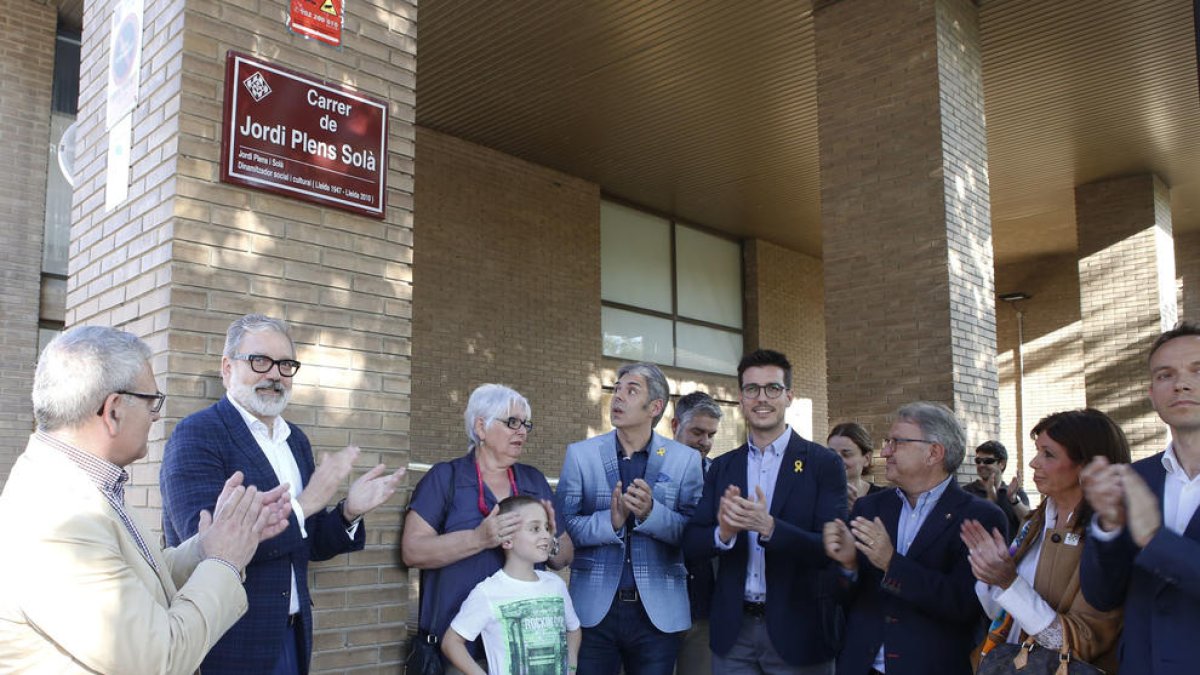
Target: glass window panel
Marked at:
635, 258
636, 337
59, 194
709, 272
708, 349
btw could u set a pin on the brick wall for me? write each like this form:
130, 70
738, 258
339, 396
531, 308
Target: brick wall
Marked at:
784, 306
905, 227
1052, 350
27, 70
184, 255
508, 272
1187, 268
1127, 297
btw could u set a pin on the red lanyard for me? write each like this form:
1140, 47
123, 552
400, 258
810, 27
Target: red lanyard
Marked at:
512, 481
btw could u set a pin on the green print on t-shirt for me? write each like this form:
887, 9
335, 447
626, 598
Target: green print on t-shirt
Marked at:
535, 635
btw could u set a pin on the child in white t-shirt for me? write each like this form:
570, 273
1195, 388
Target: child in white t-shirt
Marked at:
528, 623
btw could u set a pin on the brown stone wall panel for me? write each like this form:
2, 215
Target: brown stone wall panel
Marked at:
27, 70
508, 290
1121, 225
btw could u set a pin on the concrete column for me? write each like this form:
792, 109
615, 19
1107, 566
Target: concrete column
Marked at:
1127, 296
1187, 269
27, 70
185, 254
909, 289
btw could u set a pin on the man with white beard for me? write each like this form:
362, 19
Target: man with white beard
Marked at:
244, 432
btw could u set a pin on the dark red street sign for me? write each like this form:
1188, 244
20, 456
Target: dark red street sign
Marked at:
288, 133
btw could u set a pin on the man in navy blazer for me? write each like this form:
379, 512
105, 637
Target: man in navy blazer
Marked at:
626, 497
1143, 548
905, 573
761, 515
244, 431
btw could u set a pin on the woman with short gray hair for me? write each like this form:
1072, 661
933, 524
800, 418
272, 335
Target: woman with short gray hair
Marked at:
453, 530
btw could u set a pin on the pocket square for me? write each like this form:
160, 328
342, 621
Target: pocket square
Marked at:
662, 478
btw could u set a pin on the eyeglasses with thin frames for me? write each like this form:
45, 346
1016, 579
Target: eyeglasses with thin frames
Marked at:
897, 441
261, 363
773, 390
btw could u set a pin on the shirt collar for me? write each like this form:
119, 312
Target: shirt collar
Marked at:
774, 446
645, 450
104, 474
282, 430
930, 496
1170, 462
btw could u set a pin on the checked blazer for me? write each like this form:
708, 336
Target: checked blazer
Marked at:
205, 448
583, 499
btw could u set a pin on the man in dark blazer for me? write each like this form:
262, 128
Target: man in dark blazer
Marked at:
244, 431
761, 513
904, 567
1143, 547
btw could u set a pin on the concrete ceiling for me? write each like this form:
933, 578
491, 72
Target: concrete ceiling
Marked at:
707, 109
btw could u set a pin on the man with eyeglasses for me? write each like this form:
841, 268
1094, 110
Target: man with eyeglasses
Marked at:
991, 458
82, 587
904, 567
761, 515
626, 497
245, 431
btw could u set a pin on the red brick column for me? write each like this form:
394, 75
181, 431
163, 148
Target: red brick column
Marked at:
1127, 296
27, 70
909, 290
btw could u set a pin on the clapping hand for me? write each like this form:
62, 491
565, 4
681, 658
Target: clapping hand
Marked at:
871, 537
988, 555
370, 490
839, 544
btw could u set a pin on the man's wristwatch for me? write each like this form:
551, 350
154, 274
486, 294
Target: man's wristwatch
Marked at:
553, 547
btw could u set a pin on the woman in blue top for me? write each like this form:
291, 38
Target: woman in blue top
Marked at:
453, 530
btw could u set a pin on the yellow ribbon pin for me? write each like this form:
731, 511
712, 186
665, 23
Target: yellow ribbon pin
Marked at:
662, 451
799, 466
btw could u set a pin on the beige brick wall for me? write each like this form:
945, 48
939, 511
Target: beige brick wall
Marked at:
1052, 349
508, 290
26, 69
184, 255
906, 229
1127, 296
1187, 268
785, 311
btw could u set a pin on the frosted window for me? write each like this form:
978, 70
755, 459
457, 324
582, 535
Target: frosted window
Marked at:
708, 349
709, 271
58, 203
635, 258
636, 337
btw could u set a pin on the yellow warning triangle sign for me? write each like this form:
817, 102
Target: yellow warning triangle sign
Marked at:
327, 7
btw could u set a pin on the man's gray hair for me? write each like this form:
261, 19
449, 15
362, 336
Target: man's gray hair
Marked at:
492, 402
696, 403
254, 323
938, 424
79, 369
656, 384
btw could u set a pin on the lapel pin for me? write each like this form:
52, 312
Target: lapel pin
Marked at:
799, 466
949, 515
662, 451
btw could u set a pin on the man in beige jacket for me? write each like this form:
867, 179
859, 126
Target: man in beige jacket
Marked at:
82, 589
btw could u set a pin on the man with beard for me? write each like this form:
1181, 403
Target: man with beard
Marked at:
244, 432
626, 497
763, 509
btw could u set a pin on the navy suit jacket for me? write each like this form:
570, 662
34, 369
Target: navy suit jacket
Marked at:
1159, 586
801, 613
205, 448
923, 609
